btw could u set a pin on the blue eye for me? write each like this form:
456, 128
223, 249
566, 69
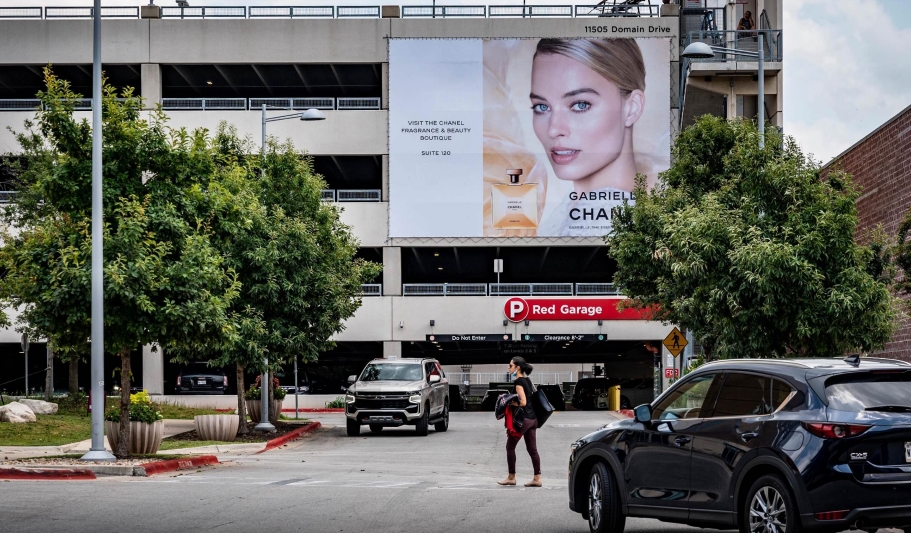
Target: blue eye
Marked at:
540, 108
581, 106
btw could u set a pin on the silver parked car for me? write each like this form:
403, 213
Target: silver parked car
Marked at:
398, 392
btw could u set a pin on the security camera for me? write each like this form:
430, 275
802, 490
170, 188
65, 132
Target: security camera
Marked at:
183, 3
401, 323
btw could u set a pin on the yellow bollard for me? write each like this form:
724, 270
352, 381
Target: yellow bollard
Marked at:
613, 395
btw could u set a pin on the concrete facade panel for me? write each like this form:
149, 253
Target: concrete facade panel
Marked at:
368, 220
534, 28
40, 42
269, 41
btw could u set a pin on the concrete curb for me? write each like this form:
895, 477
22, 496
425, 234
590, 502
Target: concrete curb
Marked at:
628, 413
316, 410
160, 467
49, 474
288, 437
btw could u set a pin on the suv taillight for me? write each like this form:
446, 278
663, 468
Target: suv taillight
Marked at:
225, 381
834, 431
178, 381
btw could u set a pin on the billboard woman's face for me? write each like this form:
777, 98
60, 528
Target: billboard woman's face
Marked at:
580, 117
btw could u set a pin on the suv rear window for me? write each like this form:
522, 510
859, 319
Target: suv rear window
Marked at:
392, 372
857, 392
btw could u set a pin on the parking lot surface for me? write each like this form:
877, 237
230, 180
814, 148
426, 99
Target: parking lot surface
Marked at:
388, 482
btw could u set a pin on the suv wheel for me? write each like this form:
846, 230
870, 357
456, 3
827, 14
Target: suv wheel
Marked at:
443, 425
769, 508
376, 428
423, 422
625, 403
354, 428
604, 514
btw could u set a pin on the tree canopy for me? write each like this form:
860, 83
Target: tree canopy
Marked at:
751, 250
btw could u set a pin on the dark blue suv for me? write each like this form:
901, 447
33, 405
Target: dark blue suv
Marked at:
763, 445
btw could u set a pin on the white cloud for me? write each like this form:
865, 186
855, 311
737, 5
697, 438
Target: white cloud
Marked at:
846, 72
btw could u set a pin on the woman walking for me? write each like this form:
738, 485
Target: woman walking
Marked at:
519, 370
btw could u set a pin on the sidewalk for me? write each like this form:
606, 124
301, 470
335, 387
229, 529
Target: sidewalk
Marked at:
171, 427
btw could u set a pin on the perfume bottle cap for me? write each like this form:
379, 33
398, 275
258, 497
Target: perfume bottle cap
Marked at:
514, 174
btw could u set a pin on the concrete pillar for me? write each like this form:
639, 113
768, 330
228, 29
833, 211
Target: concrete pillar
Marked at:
384, 173
384, 81
392, 349
392, 271
150, 80
153, 369
778, 116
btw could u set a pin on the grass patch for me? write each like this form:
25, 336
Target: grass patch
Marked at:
49, 430
180, 412
170, 444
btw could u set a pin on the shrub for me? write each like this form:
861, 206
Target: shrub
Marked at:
141, 410
337, 403
254, 393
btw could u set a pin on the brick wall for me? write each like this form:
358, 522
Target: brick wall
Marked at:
881, 165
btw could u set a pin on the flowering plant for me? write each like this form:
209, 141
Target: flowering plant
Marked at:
254, 392
141, 410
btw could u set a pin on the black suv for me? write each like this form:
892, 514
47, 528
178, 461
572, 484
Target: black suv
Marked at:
763, 445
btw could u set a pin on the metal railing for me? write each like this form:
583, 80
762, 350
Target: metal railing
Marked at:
443, 11
529, 11
372, 289
358, 195
327, 195
357, 103
444, 289
531, 289
486, 378
7, 196
32, 104
203, 12
738, 40
611, 8
201, 104
509, 289
585, 289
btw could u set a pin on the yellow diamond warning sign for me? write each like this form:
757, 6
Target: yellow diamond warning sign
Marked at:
675, 342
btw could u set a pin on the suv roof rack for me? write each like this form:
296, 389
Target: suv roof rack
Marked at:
790, 362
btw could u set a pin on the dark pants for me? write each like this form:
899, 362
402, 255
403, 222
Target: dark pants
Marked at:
528, 431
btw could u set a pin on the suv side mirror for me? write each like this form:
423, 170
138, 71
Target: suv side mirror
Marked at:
434, 379
352, 379
643, 414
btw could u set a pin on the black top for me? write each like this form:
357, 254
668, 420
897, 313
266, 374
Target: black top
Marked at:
528, 389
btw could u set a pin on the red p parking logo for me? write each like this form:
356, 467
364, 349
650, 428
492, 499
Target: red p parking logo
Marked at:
516, 309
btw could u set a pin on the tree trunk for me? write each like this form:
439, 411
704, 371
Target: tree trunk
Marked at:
123, 446
49, 377
74, 375
241, 404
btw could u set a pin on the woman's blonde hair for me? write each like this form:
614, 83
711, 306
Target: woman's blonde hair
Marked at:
617, 60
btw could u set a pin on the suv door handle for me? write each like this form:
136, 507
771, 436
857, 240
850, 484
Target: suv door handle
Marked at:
747, 437
680, 441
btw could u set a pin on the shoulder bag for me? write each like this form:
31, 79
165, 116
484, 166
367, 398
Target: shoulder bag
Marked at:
541, 405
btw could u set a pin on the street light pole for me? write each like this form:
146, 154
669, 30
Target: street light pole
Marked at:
700, 50
264, 424
97, 451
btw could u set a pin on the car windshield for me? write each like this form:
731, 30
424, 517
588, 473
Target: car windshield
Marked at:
392, 372
869, 390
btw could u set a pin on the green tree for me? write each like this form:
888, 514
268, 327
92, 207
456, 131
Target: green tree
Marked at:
164, 281
300, 277
751, 250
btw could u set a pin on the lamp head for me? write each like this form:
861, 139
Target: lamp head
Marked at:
698, 51
313, 114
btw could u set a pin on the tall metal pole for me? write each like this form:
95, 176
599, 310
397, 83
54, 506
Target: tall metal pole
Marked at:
761, 92
296, 409
97, 451
264, 424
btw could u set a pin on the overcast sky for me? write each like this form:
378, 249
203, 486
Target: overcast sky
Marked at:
847, 69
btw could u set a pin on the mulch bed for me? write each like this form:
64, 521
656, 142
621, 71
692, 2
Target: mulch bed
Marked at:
281, 428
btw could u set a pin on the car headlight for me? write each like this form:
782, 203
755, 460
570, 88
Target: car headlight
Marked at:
415, 398
576, 445
305, 388
349, 398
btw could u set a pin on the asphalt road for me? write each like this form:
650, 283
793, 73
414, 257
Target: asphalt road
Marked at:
328, 482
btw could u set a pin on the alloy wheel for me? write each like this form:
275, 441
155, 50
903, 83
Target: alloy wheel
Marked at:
595, 499
768, 513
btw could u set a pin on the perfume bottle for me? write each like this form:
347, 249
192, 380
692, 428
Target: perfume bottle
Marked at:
515, 205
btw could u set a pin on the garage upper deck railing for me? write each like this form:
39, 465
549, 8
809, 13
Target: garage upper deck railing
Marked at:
608, 8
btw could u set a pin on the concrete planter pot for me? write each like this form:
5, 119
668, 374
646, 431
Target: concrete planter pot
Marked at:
216, 427
253, 409
145, 438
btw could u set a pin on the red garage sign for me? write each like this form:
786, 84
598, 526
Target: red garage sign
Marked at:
519, 309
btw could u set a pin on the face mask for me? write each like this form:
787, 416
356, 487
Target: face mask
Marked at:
513, 375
